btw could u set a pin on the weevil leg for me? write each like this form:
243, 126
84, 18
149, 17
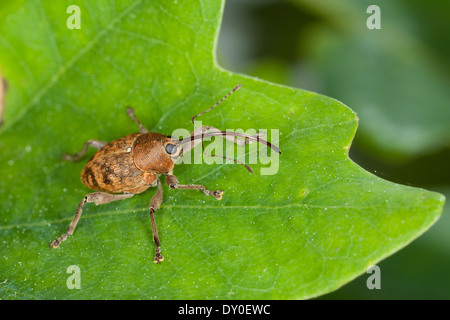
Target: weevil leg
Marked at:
77, 156
155, 203
97, 198
172, 182
130, 113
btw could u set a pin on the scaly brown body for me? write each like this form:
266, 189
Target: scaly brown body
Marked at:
114, 168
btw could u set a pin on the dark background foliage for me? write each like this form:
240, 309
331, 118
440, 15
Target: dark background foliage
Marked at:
395, 78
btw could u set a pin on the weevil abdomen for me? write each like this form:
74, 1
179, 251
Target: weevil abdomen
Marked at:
112, 169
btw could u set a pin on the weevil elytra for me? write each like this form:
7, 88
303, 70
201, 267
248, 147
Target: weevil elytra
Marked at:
132, 164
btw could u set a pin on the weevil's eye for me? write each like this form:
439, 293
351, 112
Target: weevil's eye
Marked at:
171, 148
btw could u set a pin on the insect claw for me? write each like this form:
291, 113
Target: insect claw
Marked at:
54, 244
158, 257
218, 194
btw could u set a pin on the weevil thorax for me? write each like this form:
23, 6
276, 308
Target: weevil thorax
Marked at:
155, 152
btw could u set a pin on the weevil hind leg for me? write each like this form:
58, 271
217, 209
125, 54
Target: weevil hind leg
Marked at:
155, 203
97, 198
130, 113
97, 144
172, 182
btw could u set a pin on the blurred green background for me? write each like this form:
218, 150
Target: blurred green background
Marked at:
395, 78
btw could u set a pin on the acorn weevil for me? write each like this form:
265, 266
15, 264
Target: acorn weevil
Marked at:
132, 164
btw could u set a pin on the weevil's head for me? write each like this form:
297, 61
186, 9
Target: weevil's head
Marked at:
155, 152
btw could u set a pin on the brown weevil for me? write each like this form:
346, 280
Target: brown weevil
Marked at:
132, 164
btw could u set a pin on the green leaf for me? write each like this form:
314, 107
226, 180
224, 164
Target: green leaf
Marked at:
427, 260
316, 224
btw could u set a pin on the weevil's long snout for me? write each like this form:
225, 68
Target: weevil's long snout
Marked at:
232, 134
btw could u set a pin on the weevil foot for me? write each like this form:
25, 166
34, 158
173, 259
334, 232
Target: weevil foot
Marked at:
54, 244
217, 194
158, 256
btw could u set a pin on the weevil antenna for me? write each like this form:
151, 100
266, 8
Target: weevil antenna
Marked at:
217, 103
235, 160
224, 133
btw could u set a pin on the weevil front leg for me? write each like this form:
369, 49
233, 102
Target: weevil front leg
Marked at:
130, 113
155, 203
97, 198
172, 182
97, 144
